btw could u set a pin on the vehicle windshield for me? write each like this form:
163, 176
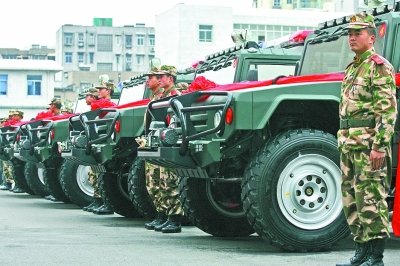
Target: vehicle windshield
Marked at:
81, 106
132, 94
330, 53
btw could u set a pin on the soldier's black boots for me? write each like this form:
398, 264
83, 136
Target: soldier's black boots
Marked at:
375, 254
174, 224
105, 209
97, 202
51, 197
160, 219
6, 186
16, 189
359, 256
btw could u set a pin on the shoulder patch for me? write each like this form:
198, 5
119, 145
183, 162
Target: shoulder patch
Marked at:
377, 59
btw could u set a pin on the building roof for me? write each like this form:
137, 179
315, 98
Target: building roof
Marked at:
30, 64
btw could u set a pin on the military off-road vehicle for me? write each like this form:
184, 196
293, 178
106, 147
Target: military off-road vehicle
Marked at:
8, 136
266, 150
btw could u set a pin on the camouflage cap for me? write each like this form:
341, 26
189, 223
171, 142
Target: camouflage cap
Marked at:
361, 21
103, 79
168, 70
92, 92
154, 71
19, 113
11, 112
56, 102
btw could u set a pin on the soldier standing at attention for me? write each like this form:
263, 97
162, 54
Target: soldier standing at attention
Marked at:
91, 96
153, 181
165, 192
367, 114
105, 90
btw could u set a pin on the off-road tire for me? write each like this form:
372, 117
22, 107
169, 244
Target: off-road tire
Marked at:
203, 212
18, 167
291, 191
35, 183
114, 189
52, 182
138, 190
75, 185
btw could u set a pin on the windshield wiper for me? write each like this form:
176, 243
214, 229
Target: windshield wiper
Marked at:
334, 36
317, 38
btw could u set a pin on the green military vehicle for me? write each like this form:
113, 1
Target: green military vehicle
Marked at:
107, 145
37, 146
267, 150
9, 135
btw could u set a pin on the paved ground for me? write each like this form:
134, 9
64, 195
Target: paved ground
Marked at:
34, 231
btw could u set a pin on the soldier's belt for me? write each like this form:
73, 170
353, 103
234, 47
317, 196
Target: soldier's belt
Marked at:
349, 123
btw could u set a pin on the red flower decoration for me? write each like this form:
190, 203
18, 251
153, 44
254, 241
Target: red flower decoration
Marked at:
43, 115
200, 84
101, 103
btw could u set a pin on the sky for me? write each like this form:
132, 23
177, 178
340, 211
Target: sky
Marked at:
27, 22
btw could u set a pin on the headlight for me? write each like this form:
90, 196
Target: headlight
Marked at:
217, 118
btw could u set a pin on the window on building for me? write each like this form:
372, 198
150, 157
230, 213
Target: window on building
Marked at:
289, 2
81, 58
305, 3
3, 84
128, 62
139, 59
205, 33
151, 57
34, 84
128, 41
140, 39
68, 57
277, 3
152, 40
104, 42
91, 39
91, 58
80, 40
68, 39
118, 40
104, 66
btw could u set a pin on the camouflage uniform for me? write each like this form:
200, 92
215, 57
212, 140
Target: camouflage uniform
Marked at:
8, 172
92, 178
368, 104
161, 182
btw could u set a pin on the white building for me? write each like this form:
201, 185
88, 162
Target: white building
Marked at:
26, 85
187, 33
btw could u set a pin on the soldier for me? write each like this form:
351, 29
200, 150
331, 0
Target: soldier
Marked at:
367, 114
8, 179
163, 182
105, 90
153, 181
55, 106
92, 95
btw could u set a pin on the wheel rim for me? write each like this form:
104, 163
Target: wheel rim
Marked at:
40, 175
220, 197
309, 193
83, 181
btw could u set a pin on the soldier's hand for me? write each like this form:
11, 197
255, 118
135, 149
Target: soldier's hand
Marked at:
141, 141
377, 159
